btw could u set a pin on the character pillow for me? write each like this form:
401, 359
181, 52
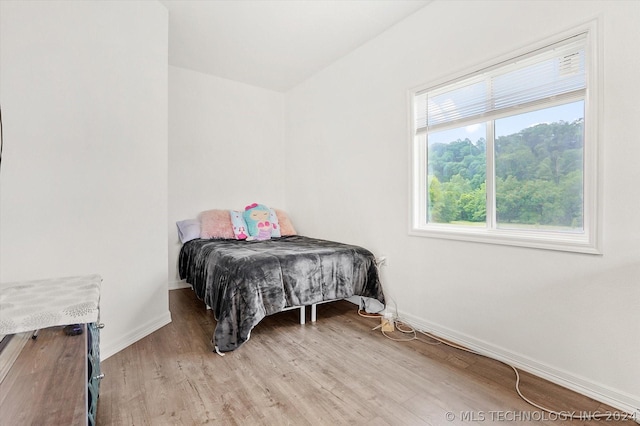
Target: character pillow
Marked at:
258, 225
238, 224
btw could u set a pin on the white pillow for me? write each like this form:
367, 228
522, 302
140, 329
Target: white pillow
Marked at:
188, 230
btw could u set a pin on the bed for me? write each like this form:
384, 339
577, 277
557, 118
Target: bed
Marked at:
244, 281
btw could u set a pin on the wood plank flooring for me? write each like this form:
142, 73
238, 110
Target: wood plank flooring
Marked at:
334, 372
46, 383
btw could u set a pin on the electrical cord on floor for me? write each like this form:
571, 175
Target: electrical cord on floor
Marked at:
407, 329
367, 314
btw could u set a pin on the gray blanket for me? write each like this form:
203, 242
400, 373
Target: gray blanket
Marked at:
244, 281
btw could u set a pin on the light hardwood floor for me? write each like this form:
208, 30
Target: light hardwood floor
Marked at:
334, 372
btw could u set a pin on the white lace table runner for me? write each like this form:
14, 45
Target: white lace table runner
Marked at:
33, 305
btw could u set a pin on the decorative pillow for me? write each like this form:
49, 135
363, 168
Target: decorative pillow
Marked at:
188, 230
215, 224
239, 225
257, 218
286, 227
273, 218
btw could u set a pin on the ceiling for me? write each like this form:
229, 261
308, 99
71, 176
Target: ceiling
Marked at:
274, 44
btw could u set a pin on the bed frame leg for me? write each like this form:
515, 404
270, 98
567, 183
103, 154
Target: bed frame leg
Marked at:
313, 313
302, 315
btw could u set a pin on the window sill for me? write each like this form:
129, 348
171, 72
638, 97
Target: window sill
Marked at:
578, 243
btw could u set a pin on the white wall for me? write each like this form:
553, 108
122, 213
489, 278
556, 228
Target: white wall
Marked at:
572, 318
83, 87
226, 149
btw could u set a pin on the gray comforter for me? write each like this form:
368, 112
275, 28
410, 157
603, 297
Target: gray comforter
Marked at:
244, 281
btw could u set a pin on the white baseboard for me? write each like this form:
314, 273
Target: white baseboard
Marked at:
134, 335
617, 399
175, 285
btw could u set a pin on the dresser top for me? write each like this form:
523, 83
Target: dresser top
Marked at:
33, 305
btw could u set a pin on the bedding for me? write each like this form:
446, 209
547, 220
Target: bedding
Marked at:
188, 230
286, 227
273, 218
215, 223
244, 281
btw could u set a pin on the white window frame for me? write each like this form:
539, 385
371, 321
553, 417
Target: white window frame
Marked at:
588, 241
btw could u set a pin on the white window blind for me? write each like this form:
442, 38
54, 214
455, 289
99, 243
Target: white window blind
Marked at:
547, 75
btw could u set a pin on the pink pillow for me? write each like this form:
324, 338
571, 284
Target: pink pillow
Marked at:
286, 227
216, 224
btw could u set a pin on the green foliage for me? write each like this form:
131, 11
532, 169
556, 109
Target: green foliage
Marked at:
538, 177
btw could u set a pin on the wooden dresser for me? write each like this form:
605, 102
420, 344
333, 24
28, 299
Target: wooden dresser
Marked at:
56, 377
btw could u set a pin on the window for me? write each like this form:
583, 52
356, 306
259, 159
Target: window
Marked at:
508, 154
